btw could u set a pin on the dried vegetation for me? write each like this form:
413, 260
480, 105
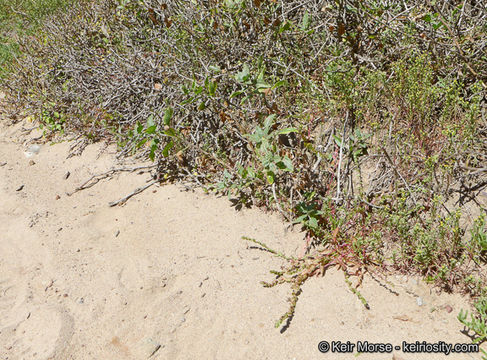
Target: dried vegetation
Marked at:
363, 121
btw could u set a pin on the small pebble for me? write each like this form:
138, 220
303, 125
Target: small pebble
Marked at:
117, 233
65, 177
419, 301
32, 150
20, 188
448, 308
58, 197
32, 162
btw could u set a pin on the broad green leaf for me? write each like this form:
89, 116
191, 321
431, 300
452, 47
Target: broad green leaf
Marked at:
140, 143
153, 148
289, 164
139, 128
262, 85
270, 177
244, 75
313, 222
151, 129
168, 115
168, 147
269, 121
306, 21
300, 219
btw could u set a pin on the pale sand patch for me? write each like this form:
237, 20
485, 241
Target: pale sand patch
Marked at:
169, 272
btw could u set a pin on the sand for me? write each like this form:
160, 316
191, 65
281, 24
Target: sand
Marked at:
167, 275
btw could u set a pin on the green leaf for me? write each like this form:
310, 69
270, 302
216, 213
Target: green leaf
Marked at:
188, 101
287, 131
427, 18
244, 75
279, 84
236, 93
150, 121
261, 85
306, 21
289, 164
300, 219
284, 27
198, 90
212, 88
140, 143
151, 129
139, 128
338, 141
170, 132
269, 121
313, 223
153, 148
270, 177
281, 165
168, 115
168, 147
245, 99
437, 25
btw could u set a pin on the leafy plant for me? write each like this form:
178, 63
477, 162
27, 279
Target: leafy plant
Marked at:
51, 119
264, 142
477, 323
478, 241
19, 19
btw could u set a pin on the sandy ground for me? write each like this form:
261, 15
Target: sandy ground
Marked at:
167, 275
